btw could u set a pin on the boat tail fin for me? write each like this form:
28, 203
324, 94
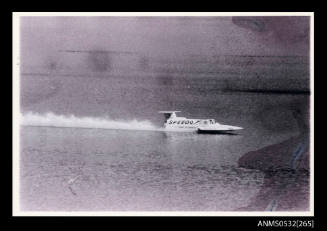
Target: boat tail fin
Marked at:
169, 114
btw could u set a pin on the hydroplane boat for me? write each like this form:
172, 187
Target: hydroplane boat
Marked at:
176, 123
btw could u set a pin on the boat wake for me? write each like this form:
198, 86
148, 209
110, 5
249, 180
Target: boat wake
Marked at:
52, 120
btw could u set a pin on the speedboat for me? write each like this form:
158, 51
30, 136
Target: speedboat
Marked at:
176, 123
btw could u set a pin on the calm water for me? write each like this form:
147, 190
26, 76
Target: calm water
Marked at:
113, 169
82, 169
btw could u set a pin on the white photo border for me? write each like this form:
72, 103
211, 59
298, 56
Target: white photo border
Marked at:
16, 116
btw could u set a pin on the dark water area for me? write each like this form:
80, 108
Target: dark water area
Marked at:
141, 97
111, 169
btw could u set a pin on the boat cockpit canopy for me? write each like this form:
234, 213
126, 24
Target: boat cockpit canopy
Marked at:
209, 121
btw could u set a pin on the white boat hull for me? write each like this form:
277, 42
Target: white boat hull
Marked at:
175, 123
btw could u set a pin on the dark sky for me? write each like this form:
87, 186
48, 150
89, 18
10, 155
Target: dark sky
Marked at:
164, 37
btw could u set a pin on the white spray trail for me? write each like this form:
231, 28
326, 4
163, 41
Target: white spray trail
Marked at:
52, 120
